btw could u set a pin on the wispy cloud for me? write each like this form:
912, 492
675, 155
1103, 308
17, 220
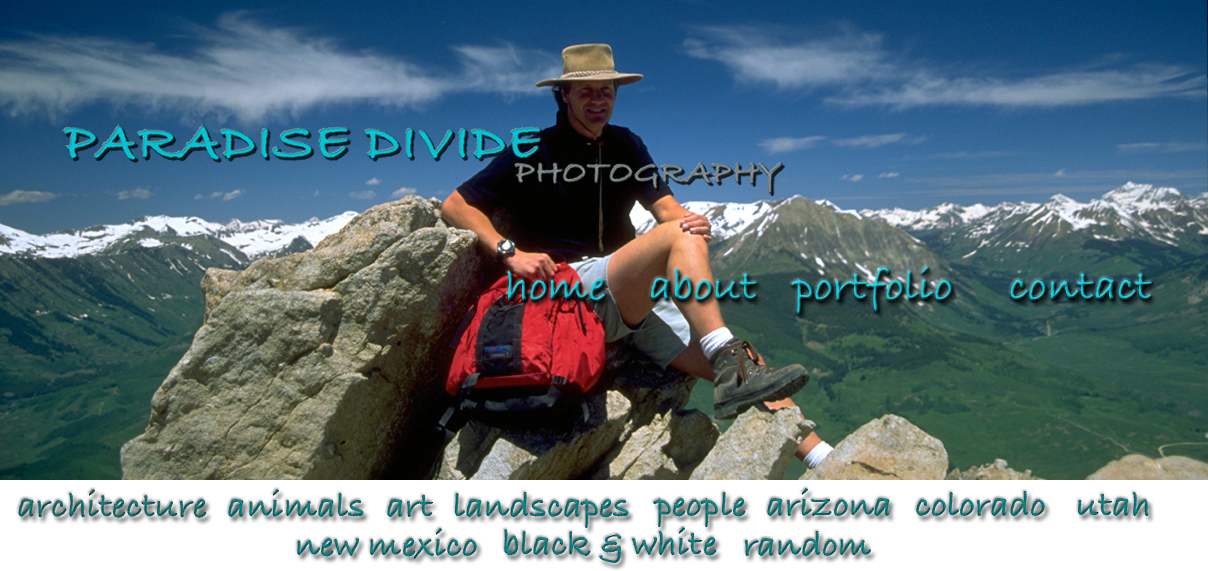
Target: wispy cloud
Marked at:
1060, 173
363, 195
1045, 183
136, 193
863, 73
969, 155
889, 175
788, 144
504, 69
232, 195
373, 181
852, 177
23, 196
874, 141
753, 57
244, 68
404, 191
1062, 89
1161, 147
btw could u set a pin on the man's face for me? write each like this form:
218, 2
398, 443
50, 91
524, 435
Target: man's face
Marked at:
589, 105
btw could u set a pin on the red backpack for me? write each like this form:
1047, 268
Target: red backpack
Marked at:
529, 352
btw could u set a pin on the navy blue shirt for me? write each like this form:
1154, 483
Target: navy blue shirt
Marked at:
563, 219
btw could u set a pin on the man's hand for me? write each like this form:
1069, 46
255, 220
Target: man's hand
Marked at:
694, 223
526, 265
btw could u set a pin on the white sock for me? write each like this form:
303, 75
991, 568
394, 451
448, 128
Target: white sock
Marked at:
713, 342
817, 455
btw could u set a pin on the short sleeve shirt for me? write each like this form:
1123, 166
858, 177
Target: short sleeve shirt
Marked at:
585, 217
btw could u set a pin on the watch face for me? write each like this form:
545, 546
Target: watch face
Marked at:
505, 248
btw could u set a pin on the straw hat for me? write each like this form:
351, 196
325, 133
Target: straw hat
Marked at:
590, 62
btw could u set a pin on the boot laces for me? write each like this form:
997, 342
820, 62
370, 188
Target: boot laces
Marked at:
745, 352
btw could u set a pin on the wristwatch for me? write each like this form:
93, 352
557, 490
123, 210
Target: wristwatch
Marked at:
504, 248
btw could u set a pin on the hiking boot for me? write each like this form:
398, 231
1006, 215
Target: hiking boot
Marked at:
741, 382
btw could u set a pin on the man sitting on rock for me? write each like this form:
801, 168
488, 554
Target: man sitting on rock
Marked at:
569, 208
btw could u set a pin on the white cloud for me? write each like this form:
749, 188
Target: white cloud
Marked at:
505, 69
363, 195
1180, 147
1061, 89
1162, 147
753, 57
1058, 89
1044, 183
218, 194
22, 196
787, 144
136, 193
373, 181
243, 68
889, 175
969, 155
874, 141
404, 191
1139, 147
863, 73
317, 193
852, 177
1060, 173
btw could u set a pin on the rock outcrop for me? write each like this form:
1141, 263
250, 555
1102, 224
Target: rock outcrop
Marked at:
320, 364
889, 448
1138, 467
758, 446
996, 471
669, 448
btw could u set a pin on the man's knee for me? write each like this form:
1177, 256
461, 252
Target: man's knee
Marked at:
675, 237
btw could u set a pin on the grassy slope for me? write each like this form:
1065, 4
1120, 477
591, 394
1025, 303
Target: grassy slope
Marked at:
76, 433
70, 321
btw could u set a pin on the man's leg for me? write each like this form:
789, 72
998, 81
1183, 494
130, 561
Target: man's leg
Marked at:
659, 253
693, 361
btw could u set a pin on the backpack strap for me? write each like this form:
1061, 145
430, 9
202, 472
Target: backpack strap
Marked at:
468, 385
532, 402
450, 422
456, 416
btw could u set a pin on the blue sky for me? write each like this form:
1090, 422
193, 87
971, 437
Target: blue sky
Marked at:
867, 104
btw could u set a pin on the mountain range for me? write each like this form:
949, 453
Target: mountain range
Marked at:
92, 319
253, 239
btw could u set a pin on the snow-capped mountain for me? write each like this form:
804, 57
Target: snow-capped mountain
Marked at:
939, 217
797, 233
728, 218
1133, 210
253, 239
1139, 222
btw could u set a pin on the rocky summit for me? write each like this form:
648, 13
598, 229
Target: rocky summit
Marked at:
889, 448
321, 364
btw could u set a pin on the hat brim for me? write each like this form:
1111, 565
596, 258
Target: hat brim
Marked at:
620, 78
